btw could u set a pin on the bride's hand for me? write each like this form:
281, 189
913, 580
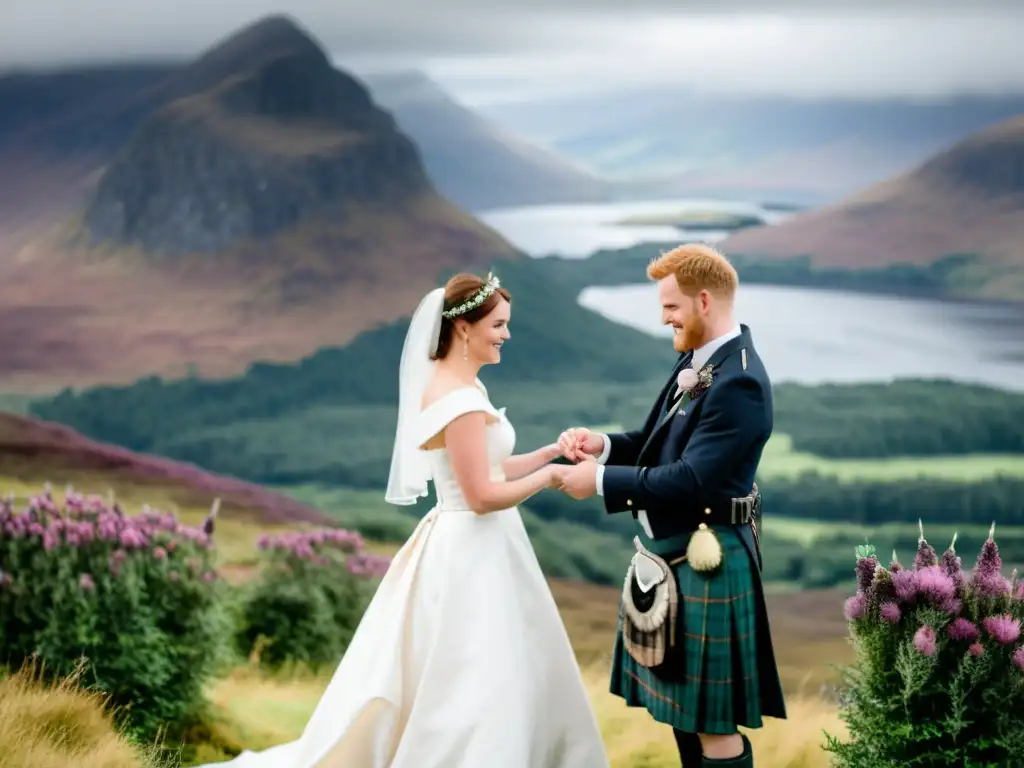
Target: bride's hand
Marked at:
556, 474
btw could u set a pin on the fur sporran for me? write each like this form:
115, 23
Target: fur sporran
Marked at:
649, 618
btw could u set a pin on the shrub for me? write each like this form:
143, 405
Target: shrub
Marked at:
309, 597
939, 671
134, 596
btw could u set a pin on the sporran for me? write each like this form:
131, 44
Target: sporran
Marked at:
650, 601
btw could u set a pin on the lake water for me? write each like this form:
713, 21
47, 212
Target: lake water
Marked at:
814, 336
576, 231
803, 334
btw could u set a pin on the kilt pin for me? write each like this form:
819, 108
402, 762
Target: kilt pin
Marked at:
694, 462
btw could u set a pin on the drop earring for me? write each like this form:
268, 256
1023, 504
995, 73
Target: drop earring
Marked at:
465, 348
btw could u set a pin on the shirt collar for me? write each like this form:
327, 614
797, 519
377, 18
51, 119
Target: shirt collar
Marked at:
701, 355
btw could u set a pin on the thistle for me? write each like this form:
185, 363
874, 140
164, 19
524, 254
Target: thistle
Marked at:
866, 567
926, 555
208, 523
987, 576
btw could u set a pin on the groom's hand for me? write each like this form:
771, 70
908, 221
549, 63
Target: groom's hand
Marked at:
578, 443
580, 481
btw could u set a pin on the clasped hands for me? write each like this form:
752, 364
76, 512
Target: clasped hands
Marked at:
580, 446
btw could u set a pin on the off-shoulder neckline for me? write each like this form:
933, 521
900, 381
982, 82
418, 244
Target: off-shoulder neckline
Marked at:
457, 390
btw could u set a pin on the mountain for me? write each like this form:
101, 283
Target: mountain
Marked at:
473, 161
266, 206
968, 199
672, 141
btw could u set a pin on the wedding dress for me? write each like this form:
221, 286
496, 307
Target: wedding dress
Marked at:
461, 659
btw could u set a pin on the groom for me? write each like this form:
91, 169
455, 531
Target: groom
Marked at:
692, 463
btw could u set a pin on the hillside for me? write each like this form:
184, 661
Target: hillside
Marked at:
473, 161
968, 199
261, 213
34, 452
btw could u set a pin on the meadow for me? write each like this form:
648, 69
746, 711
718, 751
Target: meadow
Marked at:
253, 708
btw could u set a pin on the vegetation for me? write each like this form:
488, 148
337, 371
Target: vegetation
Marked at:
950, 275
54, 725
259, 704
939, 673
137, 596
859, 456
306, 602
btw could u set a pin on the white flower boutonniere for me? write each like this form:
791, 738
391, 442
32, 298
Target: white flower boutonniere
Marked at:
695, 383
686, 380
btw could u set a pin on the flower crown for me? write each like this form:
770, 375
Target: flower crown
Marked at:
490, 286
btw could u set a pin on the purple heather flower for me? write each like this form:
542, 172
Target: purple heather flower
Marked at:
866, 573
963, 630
904, 584
1003, 629
976, 649
924, 640
934, 585
890, 612
1019, 593
951, 605
926, 555
160, 553
1018, 658
85, 582
209, 576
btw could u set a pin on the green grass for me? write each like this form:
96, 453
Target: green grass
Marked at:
781, 461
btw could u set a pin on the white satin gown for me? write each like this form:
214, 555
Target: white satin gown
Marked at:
461, 659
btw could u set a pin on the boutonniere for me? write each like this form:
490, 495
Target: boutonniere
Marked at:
695, 383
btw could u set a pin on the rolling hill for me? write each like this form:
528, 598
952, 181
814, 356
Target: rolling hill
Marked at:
473, 161
263, 208
34, 452
968, 199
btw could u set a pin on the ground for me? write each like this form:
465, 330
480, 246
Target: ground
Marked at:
256, 710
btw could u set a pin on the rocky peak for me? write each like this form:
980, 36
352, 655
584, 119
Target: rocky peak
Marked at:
265, 135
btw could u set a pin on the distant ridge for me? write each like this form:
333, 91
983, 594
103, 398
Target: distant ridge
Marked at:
968, 199
472, 161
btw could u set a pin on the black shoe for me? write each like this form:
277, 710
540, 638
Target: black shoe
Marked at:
743, 760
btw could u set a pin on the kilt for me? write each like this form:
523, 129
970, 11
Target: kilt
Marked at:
724, 674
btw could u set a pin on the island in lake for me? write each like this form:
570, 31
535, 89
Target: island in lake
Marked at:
695, 221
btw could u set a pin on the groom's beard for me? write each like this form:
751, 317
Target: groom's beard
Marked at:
692, 335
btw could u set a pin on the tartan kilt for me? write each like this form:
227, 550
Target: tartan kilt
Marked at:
723, 673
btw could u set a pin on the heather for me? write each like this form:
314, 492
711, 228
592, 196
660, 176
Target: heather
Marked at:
132, 605
307, 601
938, 676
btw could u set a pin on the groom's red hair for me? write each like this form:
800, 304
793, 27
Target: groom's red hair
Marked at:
697, 267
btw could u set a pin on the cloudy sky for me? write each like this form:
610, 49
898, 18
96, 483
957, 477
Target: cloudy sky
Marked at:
504, 50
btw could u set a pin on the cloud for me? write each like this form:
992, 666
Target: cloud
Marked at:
800, 55
502, 50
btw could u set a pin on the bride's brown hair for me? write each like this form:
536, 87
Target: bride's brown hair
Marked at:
458, 289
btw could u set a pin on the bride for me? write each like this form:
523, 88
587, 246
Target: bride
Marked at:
461, 659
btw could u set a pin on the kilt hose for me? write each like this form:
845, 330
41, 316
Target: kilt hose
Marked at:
723, 672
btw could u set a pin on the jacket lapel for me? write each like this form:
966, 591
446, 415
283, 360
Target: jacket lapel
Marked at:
714, 361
